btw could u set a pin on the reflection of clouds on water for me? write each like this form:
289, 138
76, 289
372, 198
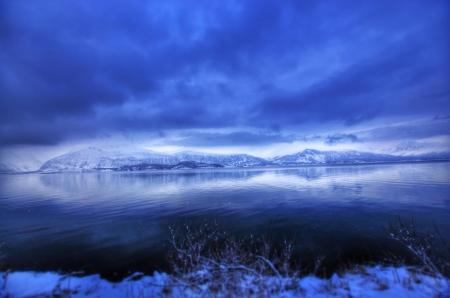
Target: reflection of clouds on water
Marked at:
125, 213
250, 191
236, 188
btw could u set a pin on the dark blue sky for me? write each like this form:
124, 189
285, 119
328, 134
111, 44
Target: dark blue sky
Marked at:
224, 74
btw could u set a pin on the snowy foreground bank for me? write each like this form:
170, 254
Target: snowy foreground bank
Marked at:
361, 282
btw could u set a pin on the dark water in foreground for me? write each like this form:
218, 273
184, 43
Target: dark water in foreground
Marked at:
116, 223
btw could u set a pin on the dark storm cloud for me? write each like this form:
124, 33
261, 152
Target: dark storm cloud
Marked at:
85, 68
48, 133
338, 138
364, 91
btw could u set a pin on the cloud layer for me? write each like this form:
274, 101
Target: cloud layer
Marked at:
81, 69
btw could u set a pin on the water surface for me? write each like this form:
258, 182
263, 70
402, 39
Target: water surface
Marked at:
117, 222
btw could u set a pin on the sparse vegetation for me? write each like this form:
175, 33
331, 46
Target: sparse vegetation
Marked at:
208, 261
206, 254
420, 243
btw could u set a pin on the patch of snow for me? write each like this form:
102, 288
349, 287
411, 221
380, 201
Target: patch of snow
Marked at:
93, 159
361, 282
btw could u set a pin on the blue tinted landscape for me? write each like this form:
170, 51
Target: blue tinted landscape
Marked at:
224, 148
335, 212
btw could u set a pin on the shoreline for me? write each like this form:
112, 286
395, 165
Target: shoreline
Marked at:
226, 168
361, 281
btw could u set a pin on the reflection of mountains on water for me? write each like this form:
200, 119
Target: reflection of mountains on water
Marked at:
208, 178
121, 219
73, 181
317, 172
93, 159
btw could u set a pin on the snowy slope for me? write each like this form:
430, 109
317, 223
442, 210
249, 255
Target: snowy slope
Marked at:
310, 156
11, 162
93, 159
239, 160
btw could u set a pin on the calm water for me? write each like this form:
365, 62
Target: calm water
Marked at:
115, 223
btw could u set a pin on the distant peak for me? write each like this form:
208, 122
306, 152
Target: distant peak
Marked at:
194, 153
311, 151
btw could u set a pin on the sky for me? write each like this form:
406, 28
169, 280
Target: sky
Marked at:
258, 77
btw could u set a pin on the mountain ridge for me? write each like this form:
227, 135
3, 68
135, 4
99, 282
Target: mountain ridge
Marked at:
94, 159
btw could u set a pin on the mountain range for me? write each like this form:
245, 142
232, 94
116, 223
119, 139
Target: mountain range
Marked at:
90, 159
94, 159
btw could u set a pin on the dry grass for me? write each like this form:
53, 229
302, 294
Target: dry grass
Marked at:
419, 243
206, 254
209, 261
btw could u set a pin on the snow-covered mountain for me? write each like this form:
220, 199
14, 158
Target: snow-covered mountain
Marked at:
310, 156
93, 159
96, 159
234, 160
10, 162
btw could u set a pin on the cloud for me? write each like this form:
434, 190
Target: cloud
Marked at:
413, 130
335, 139
239, 138
84, 68
361, 92
441, 117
